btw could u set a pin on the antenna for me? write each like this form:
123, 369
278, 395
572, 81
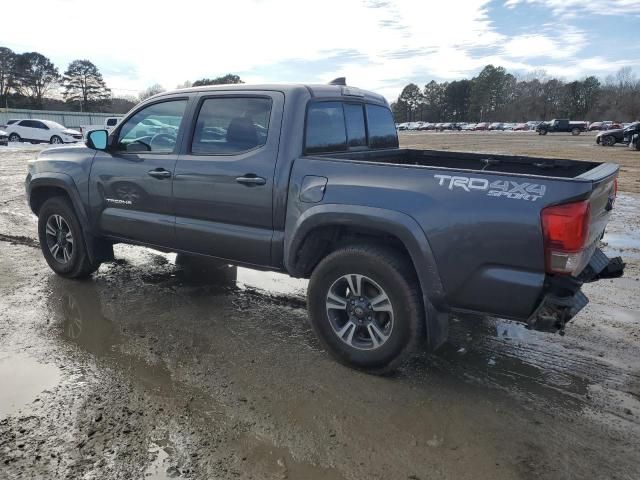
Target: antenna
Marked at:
339, 81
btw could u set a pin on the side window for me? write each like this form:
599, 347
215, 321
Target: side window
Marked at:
26, 123
382, 129
153, 129
231, 125
325, 128
40, 125
356, 131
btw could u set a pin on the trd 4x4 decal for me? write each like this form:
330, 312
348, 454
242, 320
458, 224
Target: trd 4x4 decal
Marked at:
497, 188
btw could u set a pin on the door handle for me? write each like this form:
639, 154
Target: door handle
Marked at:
251, 179
159, 173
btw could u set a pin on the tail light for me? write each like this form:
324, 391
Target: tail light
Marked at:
566, 231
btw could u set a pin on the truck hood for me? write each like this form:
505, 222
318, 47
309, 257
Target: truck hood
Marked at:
70, 152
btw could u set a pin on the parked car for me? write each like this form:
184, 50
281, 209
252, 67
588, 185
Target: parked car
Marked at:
561, 125
496, 126
393, 240
521, 127
4, 138
402, 126
108, 124
482, 126
426, 126
533, 124
609, 138
508, 126
469, 127
593, 126
458, 126
36, 131
9, 122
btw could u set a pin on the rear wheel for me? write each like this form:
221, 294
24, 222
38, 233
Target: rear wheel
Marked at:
61, 240
366, 308
542, 131
14, 137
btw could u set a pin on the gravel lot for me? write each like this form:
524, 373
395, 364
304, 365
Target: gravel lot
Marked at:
152, 370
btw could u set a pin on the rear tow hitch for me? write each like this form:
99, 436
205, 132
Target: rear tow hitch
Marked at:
564, 299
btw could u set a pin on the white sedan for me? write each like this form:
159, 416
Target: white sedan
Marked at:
36, 131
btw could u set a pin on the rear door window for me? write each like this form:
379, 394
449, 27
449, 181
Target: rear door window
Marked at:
382, 129
232, 125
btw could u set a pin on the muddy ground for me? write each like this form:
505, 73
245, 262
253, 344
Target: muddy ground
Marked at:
152, 370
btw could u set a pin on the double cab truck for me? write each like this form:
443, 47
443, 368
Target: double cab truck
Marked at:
310, 180
561, 125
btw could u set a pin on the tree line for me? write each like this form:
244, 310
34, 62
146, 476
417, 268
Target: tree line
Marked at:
31, 80
496, 95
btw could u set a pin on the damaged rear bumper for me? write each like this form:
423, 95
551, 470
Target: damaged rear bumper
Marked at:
564, 299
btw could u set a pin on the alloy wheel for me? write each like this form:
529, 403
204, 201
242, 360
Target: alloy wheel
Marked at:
60, 240
360, 312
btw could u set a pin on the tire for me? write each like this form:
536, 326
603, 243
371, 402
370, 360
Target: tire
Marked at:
59, 225
608, 141
575, 131
55, 140
542, 132
14, 137
382, 335
634, 144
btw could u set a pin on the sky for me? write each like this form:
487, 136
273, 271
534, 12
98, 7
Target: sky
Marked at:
376, 44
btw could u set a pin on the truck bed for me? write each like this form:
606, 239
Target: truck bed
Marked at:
490, 163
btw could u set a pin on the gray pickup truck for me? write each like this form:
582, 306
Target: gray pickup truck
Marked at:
310, 180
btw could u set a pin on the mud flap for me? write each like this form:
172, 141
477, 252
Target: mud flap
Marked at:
564, 299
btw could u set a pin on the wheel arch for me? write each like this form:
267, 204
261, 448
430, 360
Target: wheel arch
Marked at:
42, 187
322, 228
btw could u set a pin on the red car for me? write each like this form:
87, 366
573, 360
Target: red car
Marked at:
482, 126
521, 127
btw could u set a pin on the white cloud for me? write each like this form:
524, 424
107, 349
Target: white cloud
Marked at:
137, 43
572, 8
170, 42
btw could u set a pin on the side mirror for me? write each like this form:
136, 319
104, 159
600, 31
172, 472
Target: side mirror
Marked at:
98, 139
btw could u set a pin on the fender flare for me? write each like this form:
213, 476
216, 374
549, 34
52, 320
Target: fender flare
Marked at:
394, 223
95, 250
66, 183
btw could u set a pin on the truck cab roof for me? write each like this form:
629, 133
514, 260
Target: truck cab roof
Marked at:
314, 90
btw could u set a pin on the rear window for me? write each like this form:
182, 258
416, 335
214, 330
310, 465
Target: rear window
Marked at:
382, 129
341, 126
356, 130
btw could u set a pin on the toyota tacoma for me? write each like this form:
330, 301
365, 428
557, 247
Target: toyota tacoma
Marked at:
310, 180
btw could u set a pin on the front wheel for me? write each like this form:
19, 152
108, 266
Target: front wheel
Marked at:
575, 131
61, 240
55, 140
365, 306
608, 141
542, 132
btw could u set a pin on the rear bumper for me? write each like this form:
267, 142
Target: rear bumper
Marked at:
563, 298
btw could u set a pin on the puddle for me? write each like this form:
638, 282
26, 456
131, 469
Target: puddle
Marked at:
22, 379
623, 243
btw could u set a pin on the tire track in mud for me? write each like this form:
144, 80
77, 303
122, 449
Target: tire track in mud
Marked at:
19, 240
542, 370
